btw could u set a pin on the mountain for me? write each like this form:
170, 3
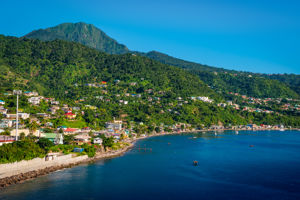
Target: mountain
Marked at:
221, 80
56, 66
86, 34
81, 76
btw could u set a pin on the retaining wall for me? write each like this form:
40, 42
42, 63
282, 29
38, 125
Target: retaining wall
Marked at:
11, 169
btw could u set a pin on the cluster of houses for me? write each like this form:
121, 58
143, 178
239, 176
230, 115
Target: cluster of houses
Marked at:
204, 99
292, 105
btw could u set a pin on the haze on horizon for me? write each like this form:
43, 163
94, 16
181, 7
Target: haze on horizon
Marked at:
258, 36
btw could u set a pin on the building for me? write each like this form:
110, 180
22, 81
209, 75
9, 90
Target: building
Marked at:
43, 115
30, 94
14, 116
116, 125
6, 123
82, 139
4, 139
2, 102
70, 131
70, 115
3, 110
54, 102
98, 141
34, 100
56, 138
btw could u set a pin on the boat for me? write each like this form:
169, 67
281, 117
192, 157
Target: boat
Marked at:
236, 132
216, 133
195, 162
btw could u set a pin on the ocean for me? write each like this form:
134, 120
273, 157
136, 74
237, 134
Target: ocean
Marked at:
245, 166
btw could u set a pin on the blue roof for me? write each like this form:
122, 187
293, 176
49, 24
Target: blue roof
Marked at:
2, 101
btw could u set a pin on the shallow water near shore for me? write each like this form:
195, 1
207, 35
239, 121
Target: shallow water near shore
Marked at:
250, 165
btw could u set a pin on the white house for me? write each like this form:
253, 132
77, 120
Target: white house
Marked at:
3, 110
98, 141
21, 115
34, 100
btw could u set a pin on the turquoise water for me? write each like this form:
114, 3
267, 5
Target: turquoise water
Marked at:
229, 168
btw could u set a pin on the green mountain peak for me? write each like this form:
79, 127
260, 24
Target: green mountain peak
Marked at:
86, 34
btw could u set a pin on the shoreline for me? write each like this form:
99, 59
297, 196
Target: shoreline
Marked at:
22, 177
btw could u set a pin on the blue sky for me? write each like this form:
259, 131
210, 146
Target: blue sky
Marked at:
255, 35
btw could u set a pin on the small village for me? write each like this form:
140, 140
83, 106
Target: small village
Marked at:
42, 124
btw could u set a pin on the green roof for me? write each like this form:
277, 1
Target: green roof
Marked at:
50, 135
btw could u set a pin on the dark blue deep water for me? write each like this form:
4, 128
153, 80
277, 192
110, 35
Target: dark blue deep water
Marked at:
229, 168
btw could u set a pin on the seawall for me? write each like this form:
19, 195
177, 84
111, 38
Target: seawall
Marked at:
12, 173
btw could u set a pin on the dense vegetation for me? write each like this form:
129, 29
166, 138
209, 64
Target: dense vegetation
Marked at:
20, 150
28, 149
62, 69
246, 84
55, 68
86, 34
250, 84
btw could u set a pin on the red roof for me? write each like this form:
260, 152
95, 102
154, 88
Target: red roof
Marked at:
71, 114
70, 130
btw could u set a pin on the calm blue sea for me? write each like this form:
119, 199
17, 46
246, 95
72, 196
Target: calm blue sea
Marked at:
250, 165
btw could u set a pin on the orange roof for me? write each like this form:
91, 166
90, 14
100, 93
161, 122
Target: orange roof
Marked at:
70, 130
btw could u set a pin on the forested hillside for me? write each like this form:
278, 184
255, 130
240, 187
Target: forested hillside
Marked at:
55, 67
155, 93
223, 80
86, 34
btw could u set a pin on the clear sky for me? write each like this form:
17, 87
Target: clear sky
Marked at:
248, 35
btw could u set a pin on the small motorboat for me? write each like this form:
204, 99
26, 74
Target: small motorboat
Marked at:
237, 132
251, 145
195, 162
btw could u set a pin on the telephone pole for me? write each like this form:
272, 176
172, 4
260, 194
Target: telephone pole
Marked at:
17, 92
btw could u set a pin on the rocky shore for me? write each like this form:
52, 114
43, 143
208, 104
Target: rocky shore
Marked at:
5, 182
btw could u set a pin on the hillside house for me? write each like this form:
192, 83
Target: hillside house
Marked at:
3, 110
116, 125
70, 131
54, 102
70, 115
34, 100
14, 116
82, 139
6, 123
98, 141
56, 138
30, 93
2, 102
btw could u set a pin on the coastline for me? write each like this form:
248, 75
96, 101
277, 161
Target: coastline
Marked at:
21, 177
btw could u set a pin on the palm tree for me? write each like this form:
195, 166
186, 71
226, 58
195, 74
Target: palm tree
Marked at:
33, 126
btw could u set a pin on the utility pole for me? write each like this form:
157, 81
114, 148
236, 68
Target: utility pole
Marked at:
17, 92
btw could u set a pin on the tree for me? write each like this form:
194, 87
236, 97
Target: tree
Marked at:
22, 136
157, 129
68, 139
45, 143
33, 126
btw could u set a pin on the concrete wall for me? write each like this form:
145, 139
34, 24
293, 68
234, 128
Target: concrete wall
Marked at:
26, 131
11, 169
